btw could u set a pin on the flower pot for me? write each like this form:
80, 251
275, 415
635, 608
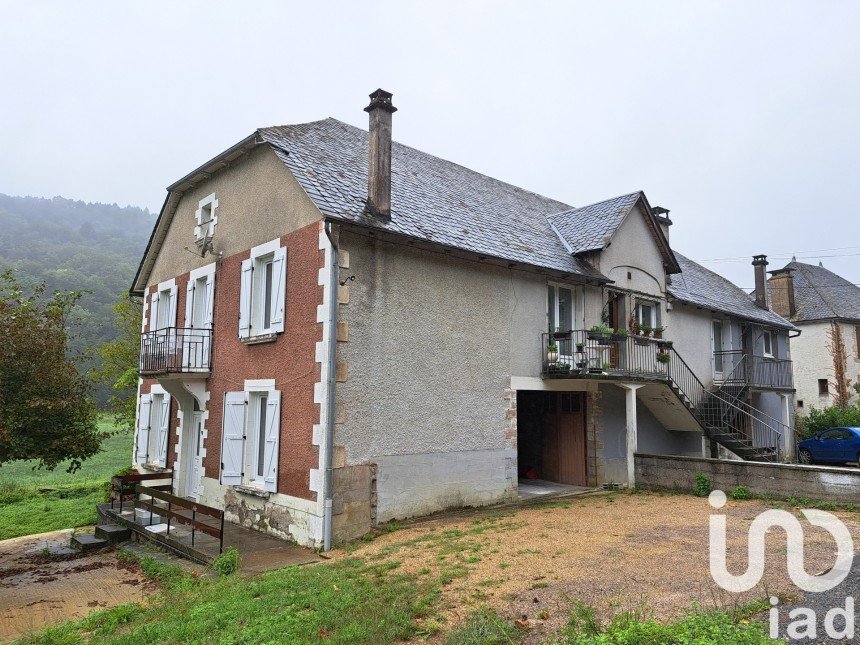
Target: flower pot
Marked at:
551, 357
596, 335
561, 335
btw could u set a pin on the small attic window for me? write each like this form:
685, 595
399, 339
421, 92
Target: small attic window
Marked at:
206, 219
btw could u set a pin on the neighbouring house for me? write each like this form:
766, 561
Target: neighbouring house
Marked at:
826, 308
340, 330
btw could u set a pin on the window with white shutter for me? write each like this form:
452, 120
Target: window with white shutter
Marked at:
144, 409
262, 297
161, 409
206, 218
233, 437
251, 439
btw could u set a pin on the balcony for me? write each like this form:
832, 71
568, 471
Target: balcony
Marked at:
176, 350
583, 354
734, 367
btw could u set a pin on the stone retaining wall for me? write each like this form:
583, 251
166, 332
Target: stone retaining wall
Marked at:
818, 483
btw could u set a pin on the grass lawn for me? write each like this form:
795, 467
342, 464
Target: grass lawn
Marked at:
476, 579
24, 510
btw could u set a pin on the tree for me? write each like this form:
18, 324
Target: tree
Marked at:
120, 359
46, 408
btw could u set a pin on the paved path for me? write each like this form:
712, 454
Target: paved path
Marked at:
37, 591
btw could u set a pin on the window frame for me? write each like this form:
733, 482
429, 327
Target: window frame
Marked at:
207, 204
825, 390
637, 312
259, 297
767, 344
575, 306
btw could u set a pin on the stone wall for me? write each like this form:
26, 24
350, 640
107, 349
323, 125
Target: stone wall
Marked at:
817, 483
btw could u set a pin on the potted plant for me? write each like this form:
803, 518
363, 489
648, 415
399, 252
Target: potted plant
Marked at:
658, 331
645, 330
552, 353
619, 335
607, 366
600, 333
582, 364
580, 347
663, 357
560, 368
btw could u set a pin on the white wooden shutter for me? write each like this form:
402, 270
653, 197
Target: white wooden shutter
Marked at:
144, 407
153, 311
245, 298
233, 437
189, 303
171, 316
209, 302
279, 288
273, 435
163, 431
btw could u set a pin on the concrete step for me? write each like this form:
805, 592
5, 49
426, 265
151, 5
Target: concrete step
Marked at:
113, 533
86, 542
146, 517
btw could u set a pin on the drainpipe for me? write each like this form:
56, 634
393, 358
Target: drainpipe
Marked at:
332, 351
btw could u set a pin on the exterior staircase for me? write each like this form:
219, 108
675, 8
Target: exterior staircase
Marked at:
105, 535
724, 415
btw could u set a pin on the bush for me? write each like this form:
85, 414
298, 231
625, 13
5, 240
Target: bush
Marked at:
227, 563
740, 492
821, 419
703, 485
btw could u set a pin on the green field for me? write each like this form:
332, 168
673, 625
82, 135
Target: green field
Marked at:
67, 500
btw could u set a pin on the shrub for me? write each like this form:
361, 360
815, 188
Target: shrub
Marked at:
740, 492
821, 419
703, 485
227, 563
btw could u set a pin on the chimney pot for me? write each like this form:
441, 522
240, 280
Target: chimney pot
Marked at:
760, 265
379, 175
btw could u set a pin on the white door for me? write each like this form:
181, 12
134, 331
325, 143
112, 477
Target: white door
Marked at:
193, 460
717, 343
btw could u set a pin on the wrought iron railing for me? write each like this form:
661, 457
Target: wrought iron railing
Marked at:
735, 367
721, 413
176, 350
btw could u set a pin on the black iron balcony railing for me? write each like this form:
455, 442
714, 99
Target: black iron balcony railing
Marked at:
581, 352
736, 368
176, 350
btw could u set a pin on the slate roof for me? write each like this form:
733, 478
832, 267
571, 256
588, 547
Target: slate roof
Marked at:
432, 199
589, 228
698, 286
821, 294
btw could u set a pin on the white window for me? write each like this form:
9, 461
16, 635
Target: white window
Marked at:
199, 315
153, 428
206, 219
250, 438
646, 313
163, 306
561, 307
767, 343
263, 291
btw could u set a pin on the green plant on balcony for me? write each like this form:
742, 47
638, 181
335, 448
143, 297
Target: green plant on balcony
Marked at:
663, 357
645, 330
552, 353
658, 331
580, 347
560, 367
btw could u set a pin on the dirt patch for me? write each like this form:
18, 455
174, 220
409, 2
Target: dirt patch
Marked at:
40, 588
619, 551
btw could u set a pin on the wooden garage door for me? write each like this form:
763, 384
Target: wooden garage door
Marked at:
564, 439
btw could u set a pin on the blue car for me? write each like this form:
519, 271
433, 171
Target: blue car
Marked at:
834, 445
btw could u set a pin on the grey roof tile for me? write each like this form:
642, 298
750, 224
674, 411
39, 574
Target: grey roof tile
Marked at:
432, 199
821, 294
589, 228
701, 287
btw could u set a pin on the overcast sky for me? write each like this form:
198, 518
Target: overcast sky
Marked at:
742, 118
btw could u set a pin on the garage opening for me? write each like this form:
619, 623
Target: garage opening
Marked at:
551, 445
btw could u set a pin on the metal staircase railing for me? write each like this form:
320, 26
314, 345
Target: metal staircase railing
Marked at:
724, 416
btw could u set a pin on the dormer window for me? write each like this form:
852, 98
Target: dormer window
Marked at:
206, 219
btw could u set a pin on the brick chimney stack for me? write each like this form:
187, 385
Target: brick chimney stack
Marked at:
781, 288
760, 265
379, 177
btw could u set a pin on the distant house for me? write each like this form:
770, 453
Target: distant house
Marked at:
826, 308
340, 330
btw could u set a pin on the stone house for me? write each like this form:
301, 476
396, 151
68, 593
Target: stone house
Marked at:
340, 330
826, 309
